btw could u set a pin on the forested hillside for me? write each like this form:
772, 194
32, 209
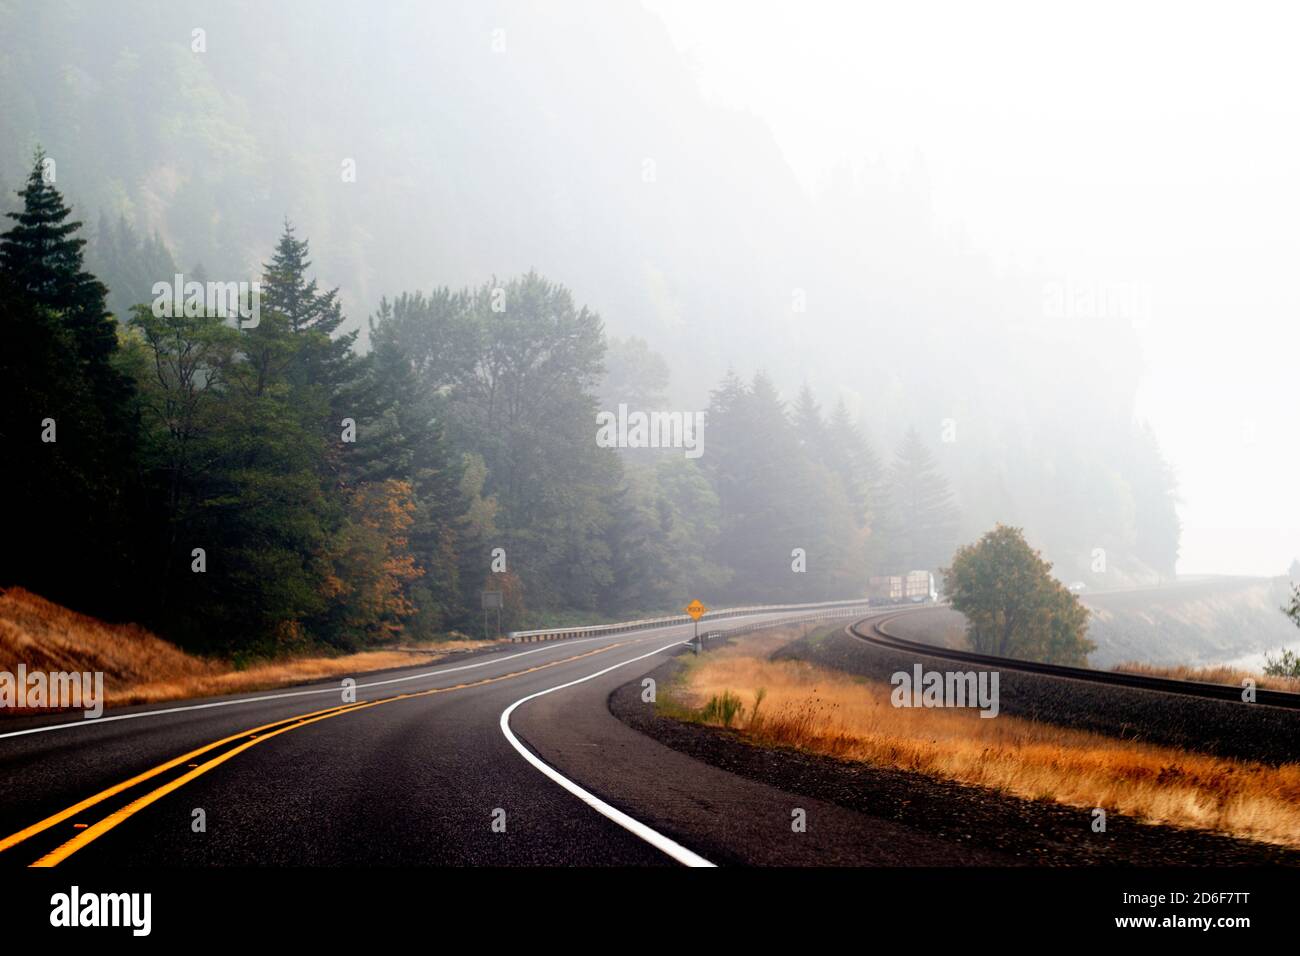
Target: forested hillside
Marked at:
265, 483
875, 393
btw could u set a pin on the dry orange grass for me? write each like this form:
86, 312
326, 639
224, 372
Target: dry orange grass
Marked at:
48, 637
141, 668
828, 712
1219, 674
277, 674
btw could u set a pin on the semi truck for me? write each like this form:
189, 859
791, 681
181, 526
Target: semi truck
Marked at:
914, 587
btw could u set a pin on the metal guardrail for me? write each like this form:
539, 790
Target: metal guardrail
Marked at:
817, 611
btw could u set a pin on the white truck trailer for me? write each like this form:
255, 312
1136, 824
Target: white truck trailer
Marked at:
914, 587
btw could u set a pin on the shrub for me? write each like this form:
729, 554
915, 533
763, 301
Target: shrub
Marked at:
723, 708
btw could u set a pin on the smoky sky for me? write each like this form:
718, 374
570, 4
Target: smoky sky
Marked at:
1122, 147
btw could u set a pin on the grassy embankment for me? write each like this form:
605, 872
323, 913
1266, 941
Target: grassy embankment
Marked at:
794, 704
141, 668
1215, 674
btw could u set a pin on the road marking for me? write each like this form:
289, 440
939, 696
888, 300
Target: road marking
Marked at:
90, 834
656, 839
255, 736
31, 831
91, 722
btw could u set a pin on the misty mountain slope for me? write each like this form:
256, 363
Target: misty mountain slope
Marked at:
488, 139
469, 162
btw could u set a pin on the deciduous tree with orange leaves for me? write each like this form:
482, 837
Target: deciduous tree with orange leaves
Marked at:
372, 566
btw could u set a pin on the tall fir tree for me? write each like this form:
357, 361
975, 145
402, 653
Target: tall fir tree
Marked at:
853, 458
325, 359
67, 421
129, 264
809, 424
922, 516
1155, 497
42, 256
757, 469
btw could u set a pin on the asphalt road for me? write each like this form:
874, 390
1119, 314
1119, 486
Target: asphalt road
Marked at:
505, 757
431, 777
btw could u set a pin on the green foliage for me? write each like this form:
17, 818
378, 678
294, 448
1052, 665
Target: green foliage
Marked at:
723, 708
232, 466
921, 518
59, 365
851, 456
241, 448
129, 264
475, 413
210, 149
635, 375
1013, 605
323, 355
1286, 664
517, 363
779, 489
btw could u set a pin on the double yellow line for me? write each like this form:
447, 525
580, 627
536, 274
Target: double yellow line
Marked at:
251, 738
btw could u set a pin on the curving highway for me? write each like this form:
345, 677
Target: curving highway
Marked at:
505, 757
465, 763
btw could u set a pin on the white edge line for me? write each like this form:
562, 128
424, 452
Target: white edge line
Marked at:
656, 839
93, 721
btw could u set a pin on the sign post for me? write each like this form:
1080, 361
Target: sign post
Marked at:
696, 610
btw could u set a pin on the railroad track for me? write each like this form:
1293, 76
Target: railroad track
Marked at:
873, 631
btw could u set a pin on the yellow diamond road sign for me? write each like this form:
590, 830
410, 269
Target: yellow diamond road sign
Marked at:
696, 610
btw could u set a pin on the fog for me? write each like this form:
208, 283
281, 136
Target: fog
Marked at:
1025, 234
1118, 143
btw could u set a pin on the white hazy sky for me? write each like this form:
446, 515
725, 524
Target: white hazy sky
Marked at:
1151, 144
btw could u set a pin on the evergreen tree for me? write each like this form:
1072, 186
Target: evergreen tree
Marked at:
1154, 489
42, 257
922, 520
850, 455
688, 516
129, 264
184, 366
809, 425
70, 484
634, 537
757, 469
234, 471
287, 290
322, 358
832, 481
725, 427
